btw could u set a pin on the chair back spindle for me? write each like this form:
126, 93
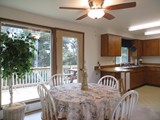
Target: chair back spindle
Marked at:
47, 103
125, 106
109, 81
59, 79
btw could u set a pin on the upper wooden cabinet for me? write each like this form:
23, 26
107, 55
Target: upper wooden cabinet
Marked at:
110, 45
138, 45
151, 47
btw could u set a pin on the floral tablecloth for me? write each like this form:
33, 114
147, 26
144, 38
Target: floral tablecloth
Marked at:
94, 104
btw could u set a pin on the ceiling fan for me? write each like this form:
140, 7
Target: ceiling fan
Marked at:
96, 9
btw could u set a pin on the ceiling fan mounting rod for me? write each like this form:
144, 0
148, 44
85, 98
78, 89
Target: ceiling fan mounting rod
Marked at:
95, 3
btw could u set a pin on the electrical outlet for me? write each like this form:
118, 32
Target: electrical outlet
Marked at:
113, 60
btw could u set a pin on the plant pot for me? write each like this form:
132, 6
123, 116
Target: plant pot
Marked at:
14, 112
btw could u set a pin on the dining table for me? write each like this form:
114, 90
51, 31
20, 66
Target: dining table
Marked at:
96, 103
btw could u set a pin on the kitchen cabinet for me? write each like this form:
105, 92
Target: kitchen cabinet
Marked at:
110, 45
136, 78
116, 75
151, 47
152, 76
138, 45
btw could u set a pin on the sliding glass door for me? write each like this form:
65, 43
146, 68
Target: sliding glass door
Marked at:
66, 54
26, 89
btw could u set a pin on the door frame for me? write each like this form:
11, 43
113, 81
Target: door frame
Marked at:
80, 35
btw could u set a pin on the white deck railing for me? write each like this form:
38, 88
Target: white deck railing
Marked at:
38, 75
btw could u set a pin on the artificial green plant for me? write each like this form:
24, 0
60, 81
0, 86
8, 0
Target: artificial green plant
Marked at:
16, 56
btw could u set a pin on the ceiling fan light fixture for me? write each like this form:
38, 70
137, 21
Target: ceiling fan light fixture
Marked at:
96, 13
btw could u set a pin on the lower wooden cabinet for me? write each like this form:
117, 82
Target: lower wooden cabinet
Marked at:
140, 76
116, 75
152, 76
146, 75
136, 78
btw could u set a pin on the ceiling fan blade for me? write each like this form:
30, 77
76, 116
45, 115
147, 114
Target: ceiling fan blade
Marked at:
108, 16
121, 6
81, 17
72, 8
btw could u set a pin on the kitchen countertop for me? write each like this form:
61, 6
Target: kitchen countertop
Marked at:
118, 69
115, 69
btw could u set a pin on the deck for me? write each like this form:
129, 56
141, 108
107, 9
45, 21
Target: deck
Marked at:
20, 94
26, 89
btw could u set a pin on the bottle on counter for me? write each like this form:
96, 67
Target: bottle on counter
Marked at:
99, 66
135, 62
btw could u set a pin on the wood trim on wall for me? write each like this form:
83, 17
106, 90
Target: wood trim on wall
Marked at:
69, 30
54, 54
25, 23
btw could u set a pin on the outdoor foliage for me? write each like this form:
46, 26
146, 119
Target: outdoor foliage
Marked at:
42, 44
16, 54
44, 50
69, 51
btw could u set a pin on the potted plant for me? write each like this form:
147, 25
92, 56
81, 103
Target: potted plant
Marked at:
16, 55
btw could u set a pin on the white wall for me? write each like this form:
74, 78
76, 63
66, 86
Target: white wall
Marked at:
151, 59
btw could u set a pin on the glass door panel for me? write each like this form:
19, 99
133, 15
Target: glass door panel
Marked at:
70, 54
70, 57
26, 89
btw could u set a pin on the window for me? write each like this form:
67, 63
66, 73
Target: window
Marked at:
124, 56
26, 89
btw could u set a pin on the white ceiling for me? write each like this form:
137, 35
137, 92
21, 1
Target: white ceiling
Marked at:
145, 11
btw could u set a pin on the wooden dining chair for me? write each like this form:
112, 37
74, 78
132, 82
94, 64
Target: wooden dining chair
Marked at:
47, 103
109, 81
125, 106
59, 79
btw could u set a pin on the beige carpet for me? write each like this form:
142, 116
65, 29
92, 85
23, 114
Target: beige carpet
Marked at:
148, 107
149, 97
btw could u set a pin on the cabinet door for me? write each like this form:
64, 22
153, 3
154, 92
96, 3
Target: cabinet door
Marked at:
114, 47
110, 45
152, 76
104, 45
116, 75
138, 45
136, 78
159, 46
151, 47
139, 48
